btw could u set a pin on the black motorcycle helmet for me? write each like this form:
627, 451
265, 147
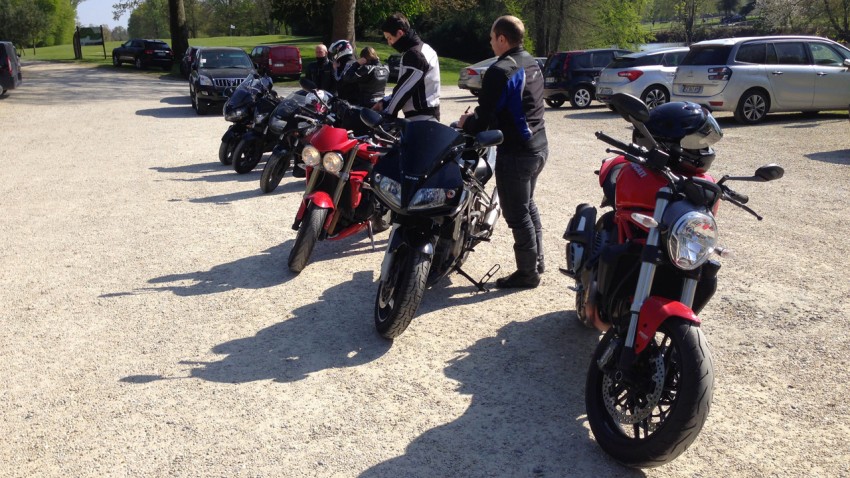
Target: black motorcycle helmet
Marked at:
687, 131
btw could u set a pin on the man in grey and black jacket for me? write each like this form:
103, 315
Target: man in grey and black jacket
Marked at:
511, 99
417, 93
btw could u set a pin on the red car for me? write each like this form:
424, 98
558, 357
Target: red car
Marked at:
277, 60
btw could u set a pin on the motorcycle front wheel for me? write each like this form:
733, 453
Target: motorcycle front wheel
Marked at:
225, 152
649, 417
308, 235
246, 156
274, 170
400, 294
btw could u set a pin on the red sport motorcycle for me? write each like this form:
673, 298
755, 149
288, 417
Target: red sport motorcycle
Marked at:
336, 204
643, 272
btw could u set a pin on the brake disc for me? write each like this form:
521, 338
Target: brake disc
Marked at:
630, 416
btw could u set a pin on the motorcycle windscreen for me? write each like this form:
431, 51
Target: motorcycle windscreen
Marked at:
285, 109
241, 97
426, 158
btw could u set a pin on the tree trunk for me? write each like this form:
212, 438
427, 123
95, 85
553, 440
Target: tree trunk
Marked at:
343, 27
179, 27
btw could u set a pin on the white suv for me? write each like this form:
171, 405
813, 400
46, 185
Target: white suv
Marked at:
647, 75
754, 76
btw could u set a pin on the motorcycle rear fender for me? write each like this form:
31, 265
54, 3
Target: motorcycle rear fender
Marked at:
656, 310
579, 233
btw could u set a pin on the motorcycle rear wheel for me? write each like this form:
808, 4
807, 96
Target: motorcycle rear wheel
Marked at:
225, 152
274, 170
305, 240
653, 426
400, 294
246, 156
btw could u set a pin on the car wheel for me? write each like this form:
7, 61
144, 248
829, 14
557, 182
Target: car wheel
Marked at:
115, 61
581, 97
752, 107
138, 63
655, 95
555, 103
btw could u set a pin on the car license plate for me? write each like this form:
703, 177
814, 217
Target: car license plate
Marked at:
160, 53
549, 81
691, 89
605, 91
279, 64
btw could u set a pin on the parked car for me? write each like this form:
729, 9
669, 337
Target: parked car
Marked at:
394, 63
541, 61
213, 72
569, 75
757, 75
186, 61
647, 75
277, 61
10, 68
471, 75
144, 53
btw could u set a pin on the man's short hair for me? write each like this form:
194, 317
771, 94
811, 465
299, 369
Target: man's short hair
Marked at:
511, 28
395, 22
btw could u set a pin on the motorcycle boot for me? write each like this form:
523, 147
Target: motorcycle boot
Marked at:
519, 280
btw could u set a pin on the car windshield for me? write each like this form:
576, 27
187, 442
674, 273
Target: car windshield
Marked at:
224, 59
156, 45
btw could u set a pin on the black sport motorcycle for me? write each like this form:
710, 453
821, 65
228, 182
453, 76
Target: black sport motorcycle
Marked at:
433, 180
252, 101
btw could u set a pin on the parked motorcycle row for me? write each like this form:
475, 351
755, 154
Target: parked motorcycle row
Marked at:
643, 270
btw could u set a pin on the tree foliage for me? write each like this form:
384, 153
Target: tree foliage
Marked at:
37, 22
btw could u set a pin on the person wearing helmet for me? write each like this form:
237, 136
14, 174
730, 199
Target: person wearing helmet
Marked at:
320, 71
511, 100
417, 92
343, 59
370, 76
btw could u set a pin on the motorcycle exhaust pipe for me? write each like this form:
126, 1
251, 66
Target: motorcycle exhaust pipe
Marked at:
493, 212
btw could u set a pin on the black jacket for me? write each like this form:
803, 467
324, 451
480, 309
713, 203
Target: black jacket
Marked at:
346, 91
371, 80
511, 99
321, 73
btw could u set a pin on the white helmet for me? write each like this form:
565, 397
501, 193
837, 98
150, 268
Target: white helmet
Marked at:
340, 48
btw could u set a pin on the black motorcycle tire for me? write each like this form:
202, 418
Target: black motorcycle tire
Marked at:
407, 277
308, 235
274, 170
686, 398
246, 156
225, 152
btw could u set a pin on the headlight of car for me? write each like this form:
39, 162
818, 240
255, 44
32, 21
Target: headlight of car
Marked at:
276, 124
311, 156
235, 115
389, 189
332, 162
431, 197
204, 80
691, 240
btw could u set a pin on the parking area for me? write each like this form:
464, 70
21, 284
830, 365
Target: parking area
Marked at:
151, 326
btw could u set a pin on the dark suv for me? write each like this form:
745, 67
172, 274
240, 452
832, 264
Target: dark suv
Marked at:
214, 71
571, 75
144, 53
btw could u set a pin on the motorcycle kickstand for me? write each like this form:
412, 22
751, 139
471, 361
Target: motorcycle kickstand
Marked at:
371, 235
480, 284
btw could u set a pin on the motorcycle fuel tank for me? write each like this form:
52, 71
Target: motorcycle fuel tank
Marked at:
636, 187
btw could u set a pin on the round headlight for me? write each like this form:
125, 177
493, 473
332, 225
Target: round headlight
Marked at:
332, 162
311, 156
692, 240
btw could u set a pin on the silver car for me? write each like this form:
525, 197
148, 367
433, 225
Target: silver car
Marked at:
470, 76
647, 75
756, 75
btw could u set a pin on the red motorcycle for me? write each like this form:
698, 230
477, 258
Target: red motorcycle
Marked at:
643, 273
336, 205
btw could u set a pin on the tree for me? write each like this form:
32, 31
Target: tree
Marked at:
343, 19
619, 23
837, 13
688, 11
727, 6
177, 25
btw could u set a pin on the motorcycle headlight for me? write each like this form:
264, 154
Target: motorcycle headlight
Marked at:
332, 162
235, 115
311, 156
276, 124
204, 80
692, 239
427, 198
389, 189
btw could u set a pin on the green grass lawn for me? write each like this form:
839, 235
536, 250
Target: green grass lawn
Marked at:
449, 67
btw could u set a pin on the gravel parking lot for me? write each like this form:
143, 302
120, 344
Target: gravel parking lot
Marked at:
152, 328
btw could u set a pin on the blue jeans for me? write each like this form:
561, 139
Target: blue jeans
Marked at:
516, 177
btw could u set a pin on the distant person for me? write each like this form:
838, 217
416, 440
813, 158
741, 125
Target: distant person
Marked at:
370, 76
342, 54
320, 71
417, 92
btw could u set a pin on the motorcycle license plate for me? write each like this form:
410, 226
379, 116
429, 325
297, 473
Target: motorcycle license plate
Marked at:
605, 91
691, 89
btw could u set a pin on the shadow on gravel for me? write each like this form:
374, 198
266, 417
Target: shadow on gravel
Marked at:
218, 173
841, 156
315, 338
246, 273
178, 100
168, 112
598, 113
526, 416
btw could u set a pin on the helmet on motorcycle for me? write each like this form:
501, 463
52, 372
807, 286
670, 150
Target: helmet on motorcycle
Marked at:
340, 48
319, 100
687, 131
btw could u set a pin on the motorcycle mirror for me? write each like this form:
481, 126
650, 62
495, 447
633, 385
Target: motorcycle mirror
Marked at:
488, 138
371, 118
630, 107
769, 172
308, 85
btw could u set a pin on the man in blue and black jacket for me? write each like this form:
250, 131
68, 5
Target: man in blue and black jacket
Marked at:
511, 99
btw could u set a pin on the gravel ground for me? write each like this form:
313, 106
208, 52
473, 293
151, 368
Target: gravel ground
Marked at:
151, 327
